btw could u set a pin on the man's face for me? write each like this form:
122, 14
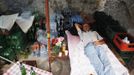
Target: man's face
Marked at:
86, 27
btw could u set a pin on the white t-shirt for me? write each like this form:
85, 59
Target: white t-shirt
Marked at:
89, 36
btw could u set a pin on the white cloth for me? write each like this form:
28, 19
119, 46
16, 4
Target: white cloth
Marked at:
126, 40
112, 64
80, 64
25, 23
7, 21
15, 70
89, 36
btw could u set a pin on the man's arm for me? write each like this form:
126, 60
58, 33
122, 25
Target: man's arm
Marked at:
100, 40
77, 26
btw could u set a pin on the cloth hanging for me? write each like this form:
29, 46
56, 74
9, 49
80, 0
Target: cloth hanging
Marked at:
25, 23
7, 21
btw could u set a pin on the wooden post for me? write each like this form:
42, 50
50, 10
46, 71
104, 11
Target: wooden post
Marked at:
48, 31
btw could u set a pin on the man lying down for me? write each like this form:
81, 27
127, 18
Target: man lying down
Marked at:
100, 56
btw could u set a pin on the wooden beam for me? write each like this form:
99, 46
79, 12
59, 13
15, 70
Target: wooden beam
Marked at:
48, 31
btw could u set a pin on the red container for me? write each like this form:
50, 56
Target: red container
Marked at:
122, 45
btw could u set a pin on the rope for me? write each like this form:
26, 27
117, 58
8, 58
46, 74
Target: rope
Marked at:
6, 59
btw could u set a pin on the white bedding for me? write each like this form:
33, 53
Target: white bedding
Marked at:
80, 64
114, 63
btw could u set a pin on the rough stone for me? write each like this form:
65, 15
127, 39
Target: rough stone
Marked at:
121, 10
3, 6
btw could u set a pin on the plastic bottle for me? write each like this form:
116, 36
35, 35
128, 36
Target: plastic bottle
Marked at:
23, 69
32, 72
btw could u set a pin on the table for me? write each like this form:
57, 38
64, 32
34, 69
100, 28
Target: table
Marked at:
56, 56
15, 70
30, 62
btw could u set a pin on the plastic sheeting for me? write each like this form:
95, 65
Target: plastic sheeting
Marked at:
7, 21
80, 64
25, 23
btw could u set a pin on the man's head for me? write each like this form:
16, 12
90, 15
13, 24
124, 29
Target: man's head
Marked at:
86, 27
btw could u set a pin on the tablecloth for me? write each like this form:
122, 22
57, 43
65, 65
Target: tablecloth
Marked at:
15, 70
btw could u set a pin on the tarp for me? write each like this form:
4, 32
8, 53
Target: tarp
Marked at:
25, 23
7, 21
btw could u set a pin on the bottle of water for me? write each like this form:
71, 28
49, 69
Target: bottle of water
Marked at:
23, 69
32, 72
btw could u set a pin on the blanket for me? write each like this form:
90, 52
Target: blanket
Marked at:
104, 61
101, 60
80, 64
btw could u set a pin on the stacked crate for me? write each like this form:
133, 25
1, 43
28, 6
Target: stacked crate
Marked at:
126, 50
112, 30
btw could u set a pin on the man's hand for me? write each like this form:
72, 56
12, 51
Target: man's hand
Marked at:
77, 26
99, 42
96, 43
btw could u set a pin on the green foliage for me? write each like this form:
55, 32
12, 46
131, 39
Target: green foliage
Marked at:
13, 43
16, 41
8, 53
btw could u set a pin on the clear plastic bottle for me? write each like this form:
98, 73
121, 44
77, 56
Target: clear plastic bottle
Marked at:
23, 69
32, 72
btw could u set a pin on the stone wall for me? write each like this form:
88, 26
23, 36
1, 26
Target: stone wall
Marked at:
15, 6
121, 10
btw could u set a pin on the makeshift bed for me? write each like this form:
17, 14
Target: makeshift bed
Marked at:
78, 60
82, 59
